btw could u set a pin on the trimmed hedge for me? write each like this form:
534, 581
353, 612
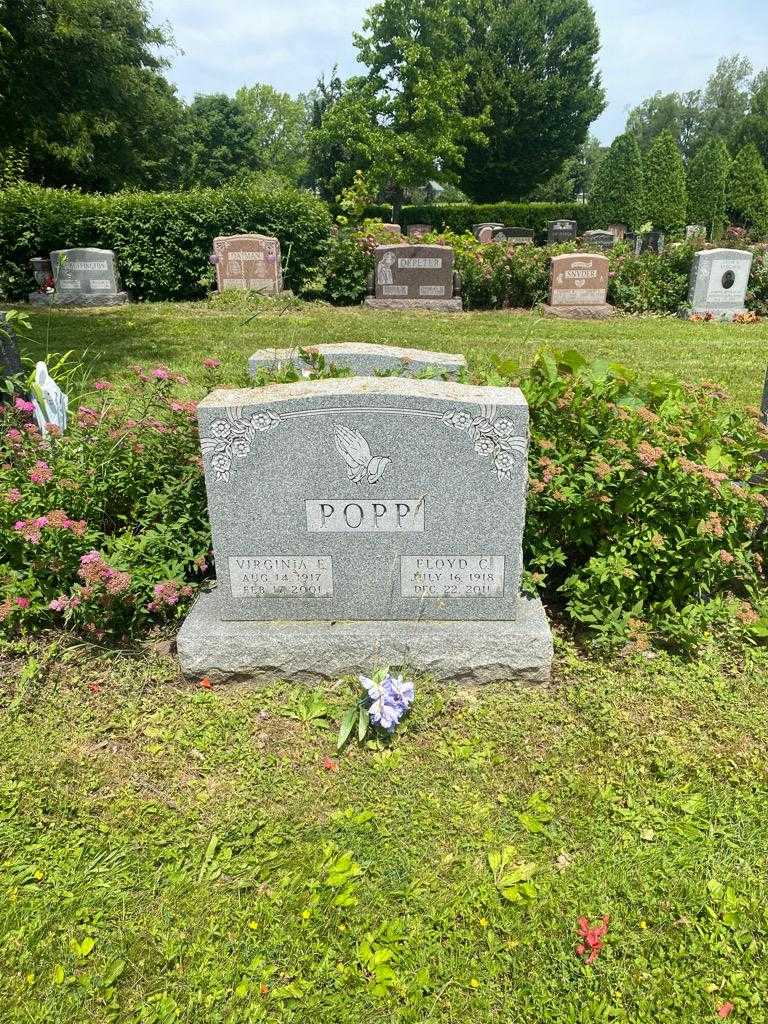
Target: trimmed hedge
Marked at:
461, 216
162, 239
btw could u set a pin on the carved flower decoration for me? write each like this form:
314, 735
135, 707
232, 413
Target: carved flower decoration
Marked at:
232, 438
504, 428
263, 420
459, 420
240, 447
221, 429
505, 464
221, 463
494, 439
484, 446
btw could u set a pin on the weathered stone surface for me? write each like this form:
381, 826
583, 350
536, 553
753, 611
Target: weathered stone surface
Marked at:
393, 229
366, 498
694, 232
362, 358
248, 262
618, 231
600, 312
453, 305
561, 231
602, 239
10, 360
413, 277
515, 236
472, 653
578, 279
654, 241
82, 277
718, 283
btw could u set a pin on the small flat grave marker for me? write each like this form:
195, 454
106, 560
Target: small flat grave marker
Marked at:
362, 359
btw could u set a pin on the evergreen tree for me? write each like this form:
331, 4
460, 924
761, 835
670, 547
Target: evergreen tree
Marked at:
617, 196
707, 183
666, 194
747, 196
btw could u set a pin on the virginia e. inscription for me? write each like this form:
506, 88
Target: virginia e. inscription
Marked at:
367, 498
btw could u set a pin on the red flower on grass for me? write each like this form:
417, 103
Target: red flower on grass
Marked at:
330, 765
594, 939
206, 683
725, 1010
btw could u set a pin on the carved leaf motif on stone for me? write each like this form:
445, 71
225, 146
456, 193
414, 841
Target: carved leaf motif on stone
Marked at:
356, 452
494, 438
231, 438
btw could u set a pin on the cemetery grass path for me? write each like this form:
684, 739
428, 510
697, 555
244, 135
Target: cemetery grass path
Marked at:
172, 853
181, 334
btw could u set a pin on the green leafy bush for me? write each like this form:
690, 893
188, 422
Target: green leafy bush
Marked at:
459, 217
757, 294
162, 240
650, 283
641, 516
747, 192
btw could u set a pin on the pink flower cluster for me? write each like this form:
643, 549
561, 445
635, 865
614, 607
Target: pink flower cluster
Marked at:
10, 604
160, 373
41, 473
31, 529
168, 593
648, 454
211, 364
102, 385
24, 406
94, 570
63, 603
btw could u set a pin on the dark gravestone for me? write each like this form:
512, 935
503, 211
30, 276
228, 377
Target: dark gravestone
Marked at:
602, 239
634, 241
10, 360
561, 231
83, 277
653, 242
515, 236
414, 277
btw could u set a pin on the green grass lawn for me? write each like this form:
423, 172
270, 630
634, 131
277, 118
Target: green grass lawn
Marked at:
181, 334
170, 853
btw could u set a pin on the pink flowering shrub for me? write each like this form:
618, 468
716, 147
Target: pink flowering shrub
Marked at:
105, 528
647, 506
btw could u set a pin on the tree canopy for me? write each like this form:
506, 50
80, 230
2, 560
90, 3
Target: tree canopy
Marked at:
618, 194
707, 180
666, 194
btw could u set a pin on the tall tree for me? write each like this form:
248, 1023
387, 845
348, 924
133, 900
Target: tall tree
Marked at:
747, 197
217, 141
402, 124
278, 126
533, 66
677, 113
82, 92
618, 194
754, 127
666, 195
707, 181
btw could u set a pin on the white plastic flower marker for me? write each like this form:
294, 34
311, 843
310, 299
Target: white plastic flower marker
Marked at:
51, 404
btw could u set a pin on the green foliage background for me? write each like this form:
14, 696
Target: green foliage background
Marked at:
618, 195
707, 183
666, 197
748, 189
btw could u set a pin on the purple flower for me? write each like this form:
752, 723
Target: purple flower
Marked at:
390, 698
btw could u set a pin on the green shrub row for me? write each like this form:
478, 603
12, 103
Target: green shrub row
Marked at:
460, 217
162, 240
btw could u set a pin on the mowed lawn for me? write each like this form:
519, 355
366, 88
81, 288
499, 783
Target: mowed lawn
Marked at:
181, 334
170, 853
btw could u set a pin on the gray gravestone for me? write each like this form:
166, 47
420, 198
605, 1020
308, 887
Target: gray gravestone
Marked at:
602, 239
718, 283
654, 241
515, 236
414, 277
578, 287
248, 262
419, 230
10, 360
485, 232
618, 231
83, 277
561, 231
392, 229
694, 232
366, 520
362, 358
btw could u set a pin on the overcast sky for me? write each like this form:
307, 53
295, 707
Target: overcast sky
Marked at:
647, 45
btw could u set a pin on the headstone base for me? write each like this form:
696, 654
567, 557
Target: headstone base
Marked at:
439, 305
79, 300
601, 312
724, 316
469, 653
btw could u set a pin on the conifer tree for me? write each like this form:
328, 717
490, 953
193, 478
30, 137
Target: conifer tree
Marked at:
707, 184
666, 193
747, 195
617, 195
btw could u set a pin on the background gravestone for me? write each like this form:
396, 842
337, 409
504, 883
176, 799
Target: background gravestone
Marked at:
515, 236
366, 520
618, 231
414, 277
578, 287
602, 239
250, 262
82, 277
419, 230
561, 231
362, 358
695, 232
10, 360
718, 283
654, 241
485, 232
392, 229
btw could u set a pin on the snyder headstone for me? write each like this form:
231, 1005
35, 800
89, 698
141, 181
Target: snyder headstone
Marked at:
362, 521
485, 232
419, 230
578, 287
250, 262
718, 283
10, 360
602, 239
362, 359
414, 277
561, 231
82, 277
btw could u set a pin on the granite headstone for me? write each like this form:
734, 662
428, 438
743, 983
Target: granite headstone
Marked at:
414, 277
392, 229
363, 521
696, 232
601, 239
578, 287
485, 232
561, 231
362, 359
419, 230
618, 231
653, 241
250, 262
718, 283
515, 236
82, 277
